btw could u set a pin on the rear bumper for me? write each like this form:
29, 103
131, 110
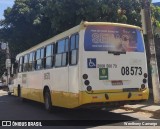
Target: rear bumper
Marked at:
86, 98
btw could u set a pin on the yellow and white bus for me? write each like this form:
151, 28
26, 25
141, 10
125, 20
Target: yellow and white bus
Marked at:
91, 64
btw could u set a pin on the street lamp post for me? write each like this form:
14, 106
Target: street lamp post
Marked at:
8, 63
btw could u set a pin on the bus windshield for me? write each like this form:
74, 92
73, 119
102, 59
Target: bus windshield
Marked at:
113, 38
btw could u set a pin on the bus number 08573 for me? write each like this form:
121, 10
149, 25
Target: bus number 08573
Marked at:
131, 71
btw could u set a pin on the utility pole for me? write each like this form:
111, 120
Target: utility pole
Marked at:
8, 63
153, 59
4, 46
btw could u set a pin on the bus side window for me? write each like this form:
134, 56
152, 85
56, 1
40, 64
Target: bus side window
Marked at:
74, 46
38, 60
61, 58
30, 61
53, 54
48, 56
25, 64
34, 61
42, 58
20, 64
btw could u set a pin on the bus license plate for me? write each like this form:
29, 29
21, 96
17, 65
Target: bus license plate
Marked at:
115, 83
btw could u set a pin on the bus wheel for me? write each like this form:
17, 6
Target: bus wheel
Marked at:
47, 101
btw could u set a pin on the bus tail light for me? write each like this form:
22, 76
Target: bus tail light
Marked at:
86, 82
89, 88
85, 76
142, 86
144, 80
145, 75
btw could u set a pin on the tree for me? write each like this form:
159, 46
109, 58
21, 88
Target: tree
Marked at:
30, 22
25, 25
65, 14
155, 17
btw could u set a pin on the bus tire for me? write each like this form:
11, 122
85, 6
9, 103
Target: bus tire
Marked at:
47, 101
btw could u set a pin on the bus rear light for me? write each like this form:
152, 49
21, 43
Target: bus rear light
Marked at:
139, 94
145, 75
94, 97
142, 86
89, 88
144, 80
86, 82
85, 76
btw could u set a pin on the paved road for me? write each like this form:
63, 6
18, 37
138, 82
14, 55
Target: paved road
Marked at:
12, 108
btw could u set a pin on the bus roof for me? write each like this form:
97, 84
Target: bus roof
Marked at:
110, 24
73, 30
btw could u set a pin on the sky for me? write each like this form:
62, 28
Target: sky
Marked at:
153, 1
9, 3
3, 5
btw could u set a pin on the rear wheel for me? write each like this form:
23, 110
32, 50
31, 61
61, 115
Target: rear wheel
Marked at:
47, 101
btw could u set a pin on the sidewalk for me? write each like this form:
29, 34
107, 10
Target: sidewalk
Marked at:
148, 106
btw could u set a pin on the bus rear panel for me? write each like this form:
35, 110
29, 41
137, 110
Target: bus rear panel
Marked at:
114, 67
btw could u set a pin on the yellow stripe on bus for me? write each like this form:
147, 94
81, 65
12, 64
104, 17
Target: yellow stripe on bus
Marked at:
72, 100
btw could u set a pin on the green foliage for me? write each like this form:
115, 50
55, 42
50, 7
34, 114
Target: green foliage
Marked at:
155, 15
30, 22
68, 13
65, 14
122, 11
25, 25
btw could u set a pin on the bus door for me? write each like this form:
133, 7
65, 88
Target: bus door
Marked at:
73, 67
60, 77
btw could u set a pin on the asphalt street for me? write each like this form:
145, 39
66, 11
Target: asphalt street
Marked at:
12, 108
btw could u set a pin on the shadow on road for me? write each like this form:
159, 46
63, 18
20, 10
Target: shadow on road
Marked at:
12, 108
156, 115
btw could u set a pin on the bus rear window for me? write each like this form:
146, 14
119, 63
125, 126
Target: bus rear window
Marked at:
113, 38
